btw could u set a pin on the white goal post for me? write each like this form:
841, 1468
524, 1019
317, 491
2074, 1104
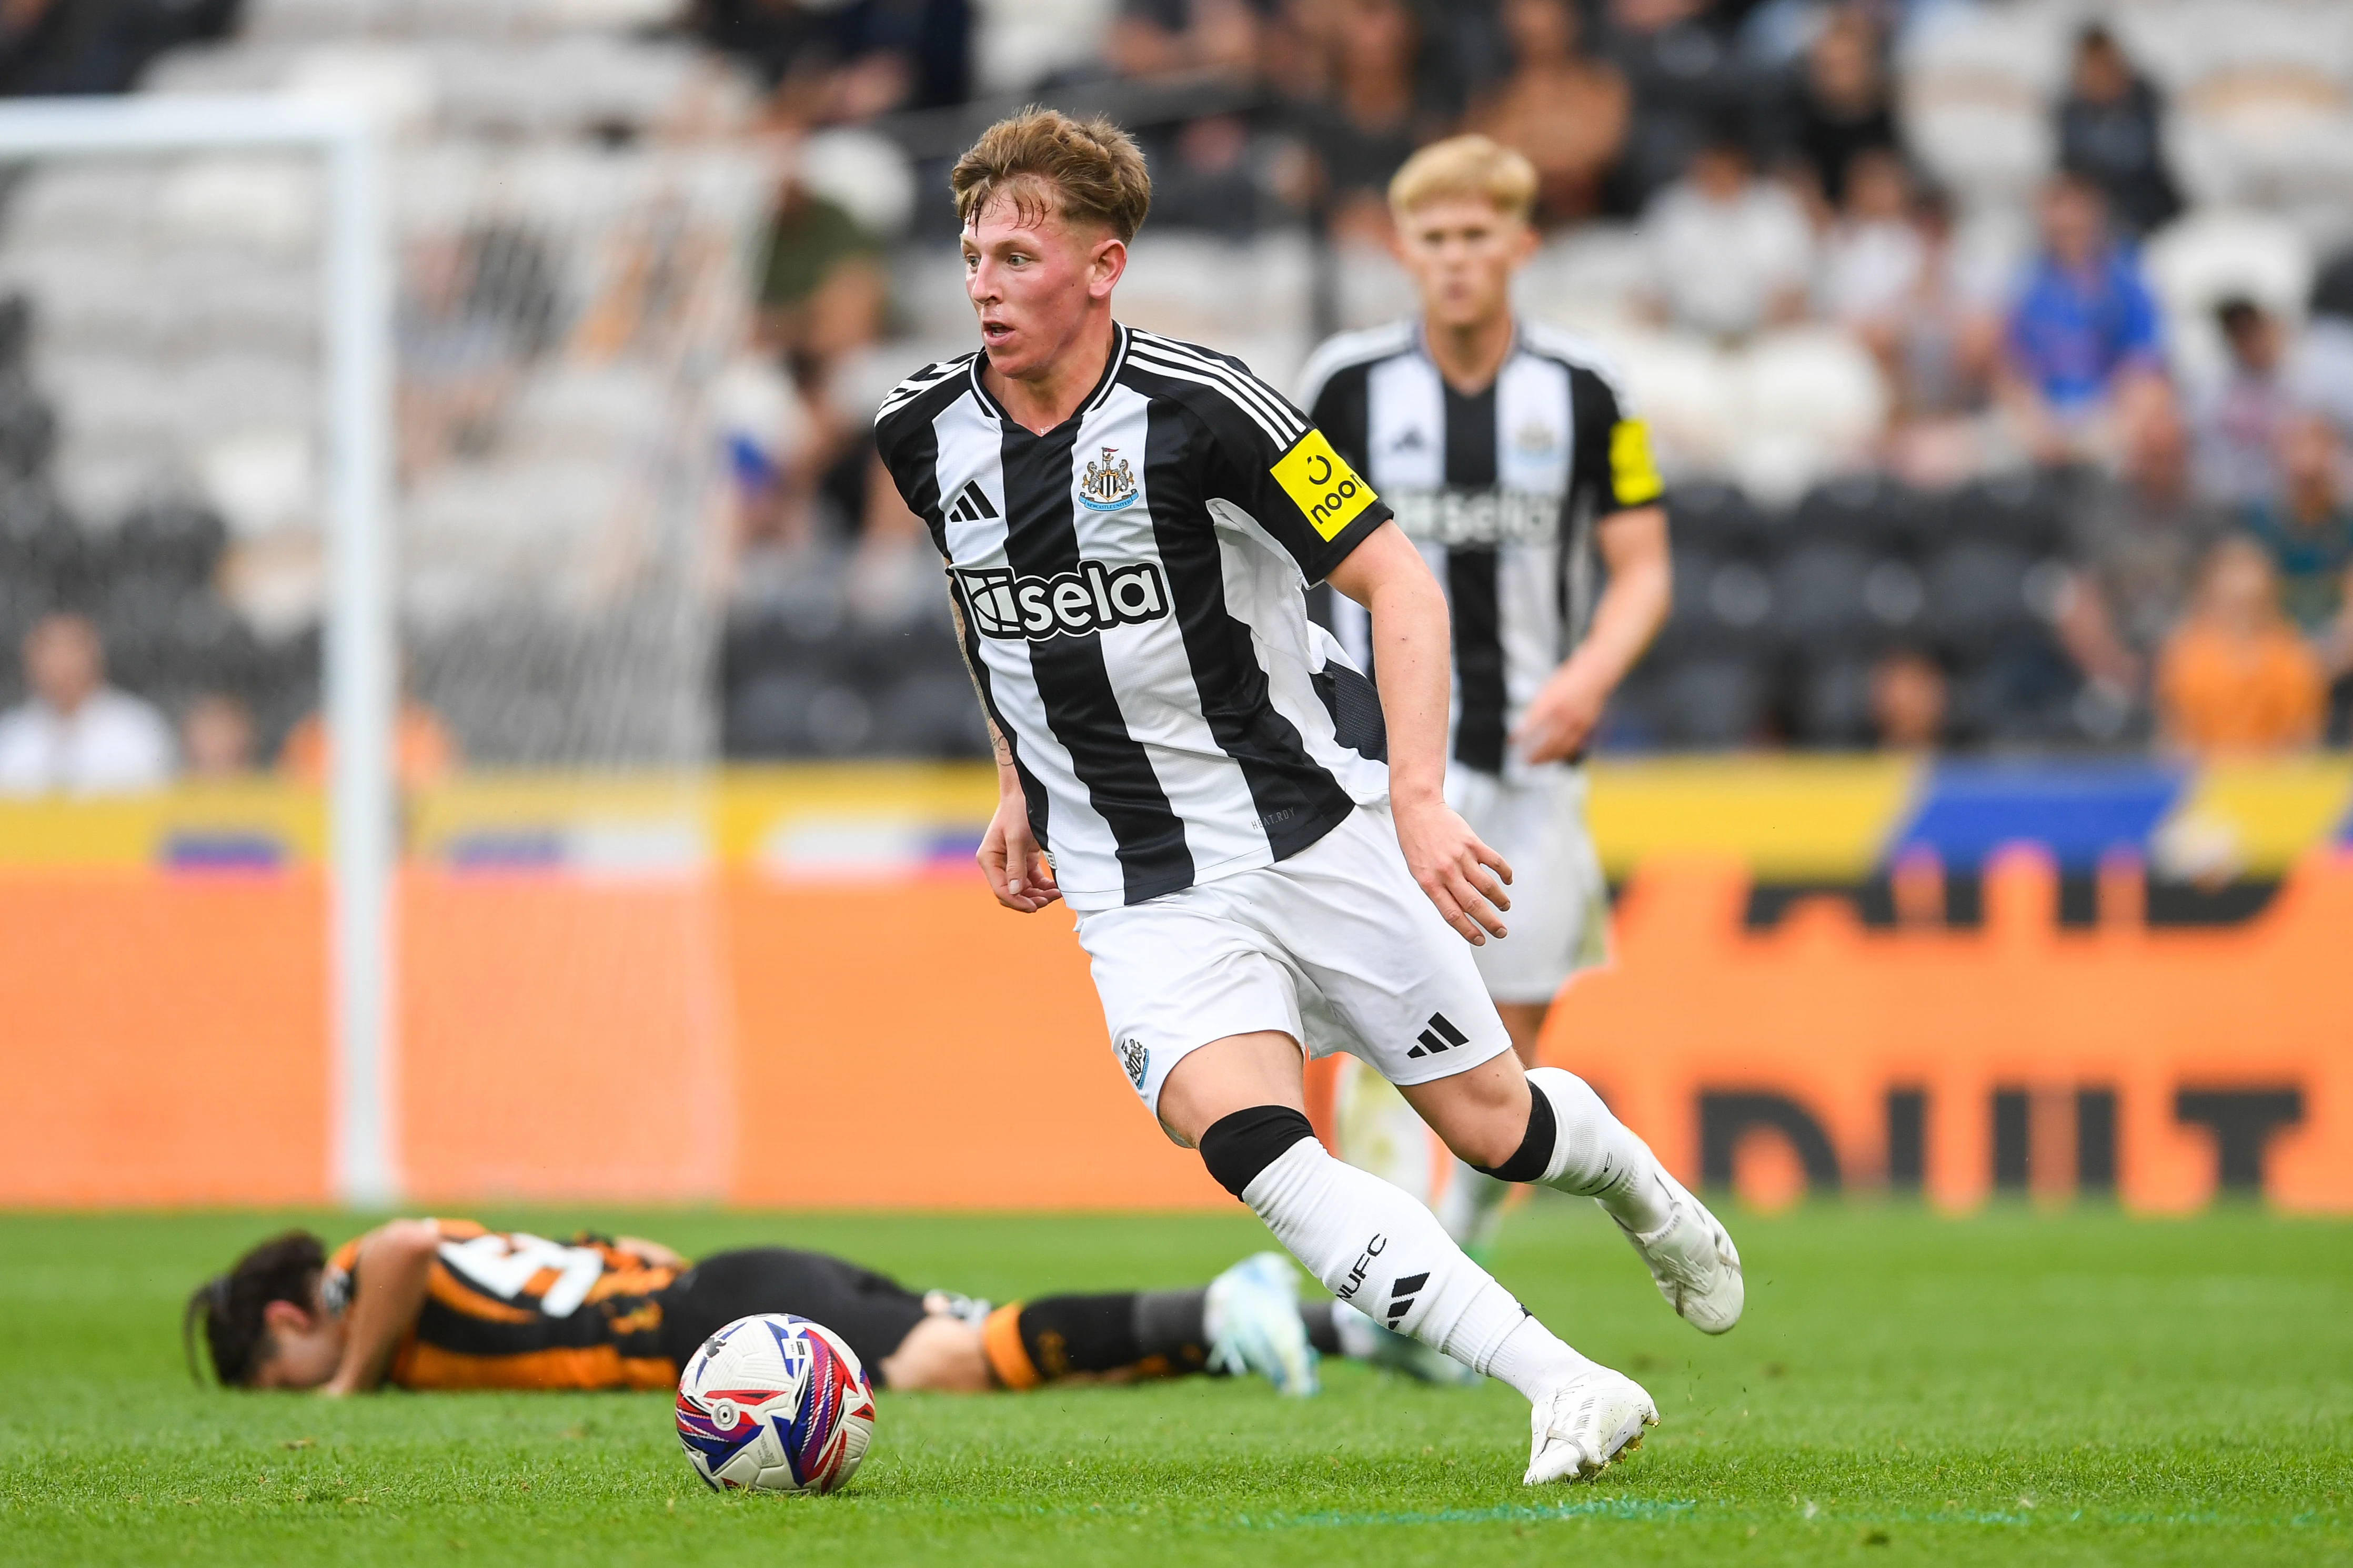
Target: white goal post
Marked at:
360, 666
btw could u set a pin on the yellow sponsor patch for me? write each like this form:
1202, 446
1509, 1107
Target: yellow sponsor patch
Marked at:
1631, 473
1321, 485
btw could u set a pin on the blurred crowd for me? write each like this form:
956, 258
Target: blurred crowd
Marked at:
2191, 591
1951, 468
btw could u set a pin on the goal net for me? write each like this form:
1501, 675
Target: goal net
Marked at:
562, 295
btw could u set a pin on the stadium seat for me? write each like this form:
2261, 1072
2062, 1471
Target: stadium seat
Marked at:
1712, 703
2019, 510
1833, 703
1976, 596
1869, 510
1819, 605
2209, 256
1715, 519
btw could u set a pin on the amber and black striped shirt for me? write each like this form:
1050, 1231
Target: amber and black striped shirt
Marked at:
510, 1310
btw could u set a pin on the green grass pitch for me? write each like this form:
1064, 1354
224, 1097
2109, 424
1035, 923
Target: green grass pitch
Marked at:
2012, 1388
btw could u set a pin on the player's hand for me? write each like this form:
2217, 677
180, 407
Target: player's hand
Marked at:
1009, 858
1562, 717
1461, 876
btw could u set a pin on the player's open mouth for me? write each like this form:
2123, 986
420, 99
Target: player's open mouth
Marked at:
995, 332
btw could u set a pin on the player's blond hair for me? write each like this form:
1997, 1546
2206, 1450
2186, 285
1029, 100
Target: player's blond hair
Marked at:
1086, 171
1477, 167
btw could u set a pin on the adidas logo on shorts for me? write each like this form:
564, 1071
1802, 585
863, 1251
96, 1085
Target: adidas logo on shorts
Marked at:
1441, 1035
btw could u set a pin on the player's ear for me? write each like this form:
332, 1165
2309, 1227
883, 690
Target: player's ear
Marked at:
1524, 239
285, 1318
1106, 265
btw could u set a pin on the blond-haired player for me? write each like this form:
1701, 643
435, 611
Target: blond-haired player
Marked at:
1254, 839
1512, 458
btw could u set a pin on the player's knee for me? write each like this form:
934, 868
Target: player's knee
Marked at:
1531, 1154
1238, 1146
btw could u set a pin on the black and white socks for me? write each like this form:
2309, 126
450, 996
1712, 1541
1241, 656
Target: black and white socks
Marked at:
1593, 1154
1375, 1248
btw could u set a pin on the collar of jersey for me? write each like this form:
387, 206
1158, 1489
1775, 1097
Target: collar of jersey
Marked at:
1111, 364
1422, 349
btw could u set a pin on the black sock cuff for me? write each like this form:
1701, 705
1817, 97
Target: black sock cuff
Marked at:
1530, 1159
1236, 1148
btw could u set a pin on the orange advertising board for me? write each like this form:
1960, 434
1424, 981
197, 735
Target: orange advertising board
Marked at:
723, 1035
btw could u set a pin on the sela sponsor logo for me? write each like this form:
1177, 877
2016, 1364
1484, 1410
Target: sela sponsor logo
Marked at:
1478, 519
1135, 1059
1357, 1270
1107, 485
1321, 485
1095, 598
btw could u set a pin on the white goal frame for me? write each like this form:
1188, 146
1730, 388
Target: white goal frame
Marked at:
360, 698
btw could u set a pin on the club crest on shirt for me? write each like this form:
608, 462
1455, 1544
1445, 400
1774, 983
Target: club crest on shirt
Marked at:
1536, 438
1107, 485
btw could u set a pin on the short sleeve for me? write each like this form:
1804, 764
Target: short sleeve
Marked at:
1305, 494
1613, 461
1260, 454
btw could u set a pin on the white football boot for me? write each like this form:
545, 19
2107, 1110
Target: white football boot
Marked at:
1692, 1261
1251, 1318
1580, 1427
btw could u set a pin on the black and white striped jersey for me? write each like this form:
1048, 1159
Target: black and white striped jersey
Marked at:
1500, 490
1133, 588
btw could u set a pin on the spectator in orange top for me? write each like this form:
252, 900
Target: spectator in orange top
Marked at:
2236, 677
423, 751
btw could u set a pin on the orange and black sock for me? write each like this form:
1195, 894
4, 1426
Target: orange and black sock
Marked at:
1149, 1333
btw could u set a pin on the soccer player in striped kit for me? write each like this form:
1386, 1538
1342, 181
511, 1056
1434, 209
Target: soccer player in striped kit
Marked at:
1510, 457
1254, 839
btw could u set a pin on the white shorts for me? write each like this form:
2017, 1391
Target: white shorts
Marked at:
1559, 918
1336, 947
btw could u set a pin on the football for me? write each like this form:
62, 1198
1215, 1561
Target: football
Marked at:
776, 1403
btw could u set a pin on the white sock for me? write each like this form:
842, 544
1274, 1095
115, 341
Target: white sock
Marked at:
1468, 1206
1598, 1157
1375, 1249
1535, 1361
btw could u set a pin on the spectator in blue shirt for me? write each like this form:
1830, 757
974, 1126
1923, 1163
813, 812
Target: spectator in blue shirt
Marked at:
2083, 327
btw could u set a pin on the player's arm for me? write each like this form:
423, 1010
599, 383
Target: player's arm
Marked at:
1009, 858
1561, 717
392, 1267
652, 1254
1613, 468
1462, 876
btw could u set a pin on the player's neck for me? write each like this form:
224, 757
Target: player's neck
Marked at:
1467, 356
1049, 395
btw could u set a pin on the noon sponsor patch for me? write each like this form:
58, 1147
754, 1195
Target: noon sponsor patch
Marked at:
1632, 474
1322, 485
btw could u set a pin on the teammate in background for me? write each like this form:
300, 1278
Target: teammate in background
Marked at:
1512, 458
446, 1304
1255, 841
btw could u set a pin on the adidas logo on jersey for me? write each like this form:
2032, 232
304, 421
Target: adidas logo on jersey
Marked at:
971, 504
1095, 598
1441, 1035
